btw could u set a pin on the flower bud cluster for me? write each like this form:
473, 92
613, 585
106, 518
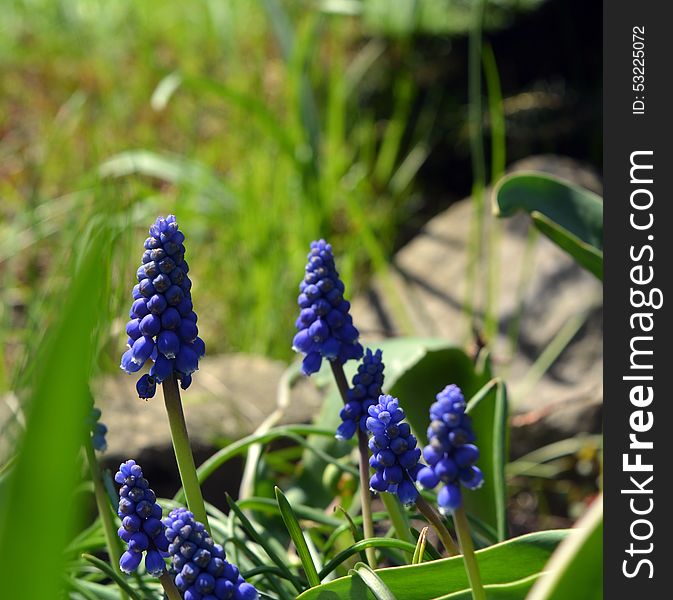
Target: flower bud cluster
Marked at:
395, 455
163, 323
199, 565
325, 325
367, 383
451, 453
141, 529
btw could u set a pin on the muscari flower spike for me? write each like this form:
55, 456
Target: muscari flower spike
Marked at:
365, 392
141, 529
395, 455
451, 453
98, 430
198, 565
163, 323
325, 325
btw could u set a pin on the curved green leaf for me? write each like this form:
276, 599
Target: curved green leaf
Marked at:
572, 217
297, 536
499, 591
112, 574
373, 582
576, 569
504, 563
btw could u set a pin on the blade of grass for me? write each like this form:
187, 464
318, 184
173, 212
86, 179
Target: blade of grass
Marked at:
259, 539
112, 574
56, 411
294, 529
420, 547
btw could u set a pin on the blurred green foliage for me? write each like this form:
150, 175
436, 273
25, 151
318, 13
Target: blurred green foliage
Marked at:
248, 122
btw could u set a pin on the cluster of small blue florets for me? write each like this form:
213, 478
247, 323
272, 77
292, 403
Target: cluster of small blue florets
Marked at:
451, 453
395, 455
367, 383
199, 566
325, 325
141, 529
98, 430
163, 322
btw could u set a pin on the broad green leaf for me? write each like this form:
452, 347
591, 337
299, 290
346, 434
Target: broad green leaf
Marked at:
373, 582
488, 409
504, 563
418, 385
576, 569
297, 536
499, 591
572, 217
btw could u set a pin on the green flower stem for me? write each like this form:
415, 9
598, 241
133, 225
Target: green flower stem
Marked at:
363, 449
183, 450
169, 586
104, 510
471, 566
398, 517
437, 523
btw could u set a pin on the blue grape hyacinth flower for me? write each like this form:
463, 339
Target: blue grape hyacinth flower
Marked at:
163, 322
141, 529
98, 430
365, 392
198, 565
395, 455
325, 326
451, 453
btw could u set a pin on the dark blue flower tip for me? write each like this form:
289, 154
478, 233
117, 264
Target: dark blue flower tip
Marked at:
451, 452
325, 327
162, 326
365, 391
146, 387
198, 565
142, 529
395, 455
98, 430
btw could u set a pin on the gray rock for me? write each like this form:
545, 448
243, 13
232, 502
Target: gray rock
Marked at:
424, 291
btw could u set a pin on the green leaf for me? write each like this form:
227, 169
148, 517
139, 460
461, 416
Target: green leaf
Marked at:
112, 574
368, 543
499, 591
56, 404
420, 547
175, 169
297, 535
263, 542
418, 385
488, 409
373, 582
576, 568
504, 563
572, 217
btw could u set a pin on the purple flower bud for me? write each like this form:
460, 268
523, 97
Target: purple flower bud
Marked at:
168, 343
129, 561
